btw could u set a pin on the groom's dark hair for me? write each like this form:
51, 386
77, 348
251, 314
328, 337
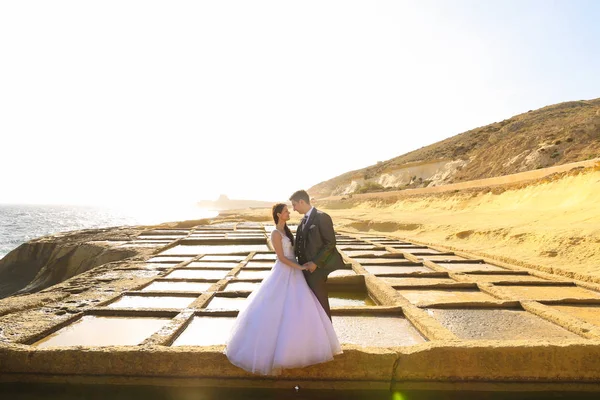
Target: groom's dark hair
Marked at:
300, 195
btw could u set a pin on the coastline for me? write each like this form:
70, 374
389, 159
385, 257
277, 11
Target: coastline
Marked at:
20, 223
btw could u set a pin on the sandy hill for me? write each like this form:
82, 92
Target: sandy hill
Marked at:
553, 135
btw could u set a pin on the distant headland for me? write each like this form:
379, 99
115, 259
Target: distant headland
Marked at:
225, 203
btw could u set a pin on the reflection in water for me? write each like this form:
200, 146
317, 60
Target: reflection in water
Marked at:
169, 259
177, 286
216, 249
253, 274
198, 274
104, 331
227, 303
241, 286
152, 302
259, 264
349, 299
223, 258
212, 264
264, 257
206, 331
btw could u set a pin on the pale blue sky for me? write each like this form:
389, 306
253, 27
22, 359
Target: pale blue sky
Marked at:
166, 102
544, 51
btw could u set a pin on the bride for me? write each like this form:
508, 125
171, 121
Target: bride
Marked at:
284, 325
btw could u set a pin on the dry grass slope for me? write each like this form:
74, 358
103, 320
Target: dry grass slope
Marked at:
553, 135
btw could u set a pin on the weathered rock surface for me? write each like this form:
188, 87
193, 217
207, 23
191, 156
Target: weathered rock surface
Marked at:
399, 342
46, 261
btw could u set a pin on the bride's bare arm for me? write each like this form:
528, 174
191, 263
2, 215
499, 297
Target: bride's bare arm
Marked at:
277, 241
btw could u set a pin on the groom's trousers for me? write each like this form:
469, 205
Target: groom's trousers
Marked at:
317, 283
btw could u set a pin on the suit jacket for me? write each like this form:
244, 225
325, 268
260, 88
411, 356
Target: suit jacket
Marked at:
316, 243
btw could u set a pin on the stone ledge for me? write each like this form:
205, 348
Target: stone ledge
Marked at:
575, 361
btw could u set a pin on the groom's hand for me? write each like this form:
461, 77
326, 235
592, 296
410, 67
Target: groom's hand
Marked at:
311, 266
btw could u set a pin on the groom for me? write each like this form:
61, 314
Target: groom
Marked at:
315, 247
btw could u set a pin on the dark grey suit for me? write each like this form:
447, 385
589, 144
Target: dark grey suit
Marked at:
316, 243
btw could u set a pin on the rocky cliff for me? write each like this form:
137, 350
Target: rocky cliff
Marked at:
48, 260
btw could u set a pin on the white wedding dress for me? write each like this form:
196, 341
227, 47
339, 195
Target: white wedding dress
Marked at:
283, 325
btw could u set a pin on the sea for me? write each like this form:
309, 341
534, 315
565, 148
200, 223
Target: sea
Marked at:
20, 223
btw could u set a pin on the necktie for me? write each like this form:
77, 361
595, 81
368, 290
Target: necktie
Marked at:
303, 222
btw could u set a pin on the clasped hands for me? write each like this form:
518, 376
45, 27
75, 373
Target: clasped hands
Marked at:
310, 266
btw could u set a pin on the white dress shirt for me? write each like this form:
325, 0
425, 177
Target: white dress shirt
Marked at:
307, 215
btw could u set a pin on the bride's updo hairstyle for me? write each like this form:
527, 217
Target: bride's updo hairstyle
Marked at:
277, 209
